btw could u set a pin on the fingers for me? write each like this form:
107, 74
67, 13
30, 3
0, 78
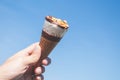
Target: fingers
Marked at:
30, 48
46, 61
38, 73
41, 69
33, 53
41, 77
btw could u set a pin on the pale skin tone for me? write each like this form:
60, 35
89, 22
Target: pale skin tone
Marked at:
24, 64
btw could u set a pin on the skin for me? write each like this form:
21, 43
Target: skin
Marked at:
24, 64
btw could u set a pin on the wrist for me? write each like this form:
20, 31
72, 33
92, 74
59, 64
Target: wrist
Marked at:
3, 74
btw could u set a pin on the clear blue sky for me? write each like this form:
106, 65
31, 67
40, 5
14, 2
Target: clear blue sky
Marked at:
89, 51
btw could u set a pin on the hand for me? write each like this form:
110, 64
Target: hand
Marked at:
22, 65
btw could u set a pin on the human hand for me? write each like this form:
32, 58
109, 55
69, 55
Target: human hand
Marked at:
22, 65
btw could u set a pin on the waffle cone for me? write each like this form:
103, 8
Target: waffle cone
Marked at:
47, 46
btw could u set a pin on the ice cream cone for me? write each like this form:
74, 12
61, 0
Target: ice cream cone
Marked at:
53, 31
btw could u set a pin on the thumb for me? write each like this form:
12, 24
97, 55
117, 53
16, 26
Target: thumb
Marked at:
34, 55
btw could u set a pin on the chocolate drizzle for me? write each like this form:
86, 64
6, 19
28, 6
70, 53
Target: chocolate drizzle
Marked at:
50, 37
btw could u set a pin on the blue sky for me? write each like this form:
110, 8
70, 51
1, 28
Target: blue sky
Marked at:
90, 50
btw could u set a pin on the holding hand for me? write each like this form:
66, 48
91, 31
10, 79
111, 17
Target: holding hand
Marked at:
21, 66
